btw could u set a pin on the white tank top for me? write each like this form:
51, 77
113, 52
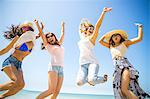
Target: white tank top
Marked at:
86, 52
57, 55
118, 50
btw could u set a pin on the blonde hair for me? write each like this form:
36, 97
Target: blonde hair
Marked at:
84, 23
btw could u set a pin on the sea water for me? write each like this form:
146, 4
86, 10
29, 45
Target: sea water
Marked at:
24, 94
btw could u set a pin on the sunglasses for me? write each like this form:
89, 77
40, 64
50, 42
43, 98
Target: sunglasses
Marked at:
27, 28
89, 28
48, 36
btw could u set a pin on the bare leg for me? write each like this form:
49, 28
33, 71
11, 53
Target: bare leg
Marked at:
125, 84
19, 83
8, 70
5, 86
52, 83
59, 85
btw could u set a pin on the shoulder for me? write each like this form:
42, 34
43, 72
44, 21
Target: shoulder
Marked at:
48, 46
125, 43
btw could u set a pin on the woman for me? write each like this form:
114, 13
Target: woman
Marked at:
125, 83
22, 43
89, 65
55, 72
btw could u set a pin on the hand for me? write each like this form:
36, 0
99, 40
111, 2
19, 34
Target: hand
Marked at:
62, 23
36, 21
42, 25
62, 26
138, 24
107, 9
38, 26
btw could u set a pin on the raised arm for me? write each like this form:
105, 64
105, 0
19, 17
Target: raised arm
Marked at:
98, 24
41, 32
11, 44
38, 35
137, 39
62, 33
102, 42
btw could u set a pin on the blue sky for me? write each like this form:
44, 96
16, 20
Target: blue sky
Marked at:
52, 12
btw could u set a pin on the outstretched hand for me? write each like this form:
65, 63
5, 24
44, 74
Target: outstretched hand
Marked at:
138, 24
107, 9
36, 21
62, 23
62, 27
38, 26
42, 25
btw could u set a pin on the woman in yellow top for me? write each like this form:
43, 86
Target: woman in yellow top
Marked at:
125, 82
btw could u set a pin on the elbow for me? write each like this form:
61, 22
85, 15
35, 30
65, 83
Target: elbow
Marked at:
100, 41
140, 39
2, 52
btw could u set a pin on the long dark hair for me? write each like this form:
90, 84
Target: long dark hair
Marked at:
12, 32
112, 43
56, 42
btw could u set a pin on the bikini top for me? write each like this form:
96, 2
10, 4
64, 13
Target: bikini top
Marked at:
23, 39
24, 48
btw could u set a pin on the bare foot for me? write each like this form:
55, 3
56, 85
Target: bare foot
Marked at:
91, 84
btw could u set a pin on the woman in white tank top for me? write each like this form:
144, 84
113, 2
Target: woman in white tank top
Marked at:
55, 72
125, 82
89, 66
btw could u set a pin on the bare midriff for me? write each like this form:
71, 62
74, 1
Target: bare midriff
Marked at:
20, 55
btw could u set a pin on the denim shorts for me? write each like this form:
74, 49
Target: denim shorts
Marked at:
57, 69
12, 61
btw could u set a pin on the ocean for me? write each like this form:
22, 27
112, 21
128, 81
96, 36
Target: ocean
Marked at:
24, 94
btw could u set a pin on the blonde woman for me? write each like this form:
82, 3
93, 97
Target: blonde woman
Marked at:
55, 72
125, 83
89, 66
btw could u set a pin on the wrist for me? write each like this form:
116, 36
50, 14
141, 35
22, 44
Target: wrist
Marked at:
104, 11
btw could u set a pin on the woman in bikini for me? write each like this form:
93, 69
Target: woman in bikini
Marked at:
22, 42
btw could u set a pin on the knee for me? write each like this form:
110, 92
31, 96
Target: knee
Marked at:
20, 85
124, 90
50, 91
56, 92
